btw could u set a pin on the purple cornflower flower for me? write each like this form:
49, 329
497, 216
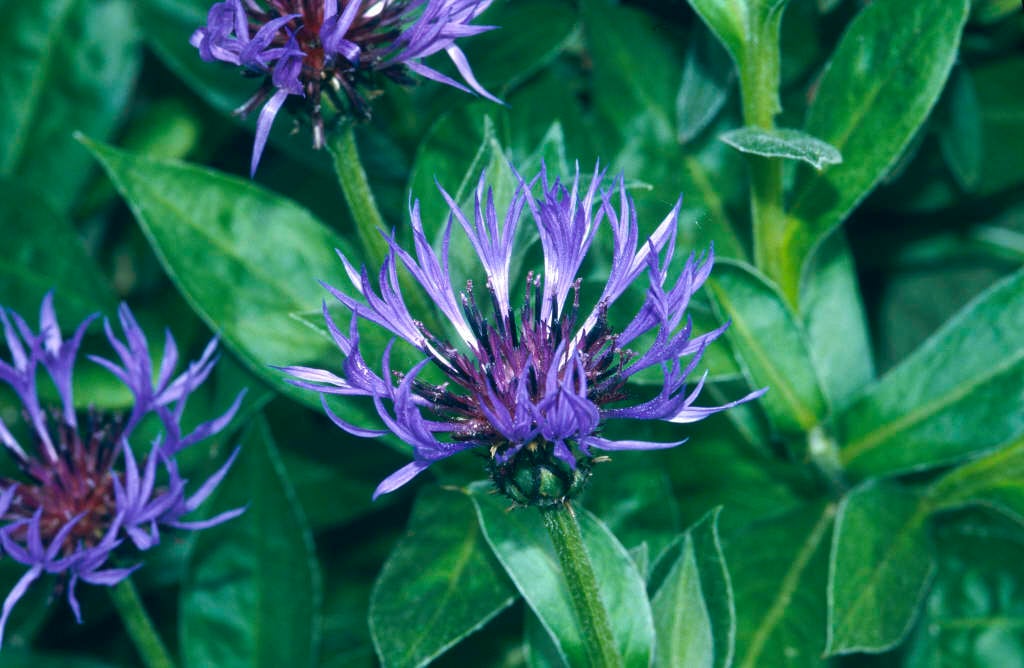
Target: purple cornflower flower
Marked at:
531, 385
306, 48
81, 494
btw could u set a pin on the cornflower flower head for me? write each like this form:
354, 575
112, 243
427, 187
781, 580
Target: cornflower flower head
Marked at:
530, 385
311, 48
82, 494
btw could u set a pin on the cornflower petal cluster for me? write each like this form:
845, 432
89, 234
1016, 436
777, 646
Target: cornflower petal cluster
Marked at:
533, 386
82, 494
311, 48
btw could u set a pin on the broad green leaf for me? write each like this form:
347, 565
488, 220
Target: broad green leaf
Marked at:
996, 479
783, 143
252, 593
68, 65
974, 615
522, 545
635, 500
960, 129
43, 252
779, 572
770, 344
708, 75
880, 567
440, 583
247, 261
835, 322
715, 468
959, 393
693, 604
878, 88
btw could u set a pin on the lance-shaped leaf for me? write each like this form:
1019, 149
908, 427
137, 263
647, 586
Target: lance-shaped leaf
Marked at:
252, 592
836, 325
996, 480
879, 569
783, 143
878, 88
770, 343
523, 547
248, 262
693, 606
958, 394
440, 583
779, 572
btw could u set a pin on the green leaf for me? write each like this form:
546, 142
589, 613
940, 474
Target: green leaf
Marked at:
974, 615
1002, 118
783, 143
779, 571
43, 252
636, 501
960, 129
835, 322
248, 261
729, 20
693, 605
440, 583
522, 545
770, 344
878, 88
708, 75
68, 65
879, 568
958, 394
683, 624
996, 480
252, 593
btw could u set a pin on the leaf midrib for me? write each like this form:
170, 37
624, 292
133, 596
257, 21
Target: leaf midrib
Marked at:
857, 448
788, 586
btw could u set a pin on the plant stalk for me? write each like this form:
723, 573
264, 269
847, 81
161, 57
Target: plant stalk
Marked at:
140, 626
358, 195
773, 231
591, 614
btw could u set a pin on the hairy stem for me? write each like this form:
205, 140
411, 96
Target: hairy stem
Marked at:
140, 626
591, 614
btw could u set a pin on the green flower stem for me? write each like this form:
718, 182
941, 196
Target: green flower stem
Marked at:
369, 223
773, 230
139, 625
591, 614
361, 203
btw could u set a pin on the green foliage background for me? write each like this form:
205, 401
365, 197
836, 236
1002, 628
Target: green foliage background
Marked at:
859, 169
